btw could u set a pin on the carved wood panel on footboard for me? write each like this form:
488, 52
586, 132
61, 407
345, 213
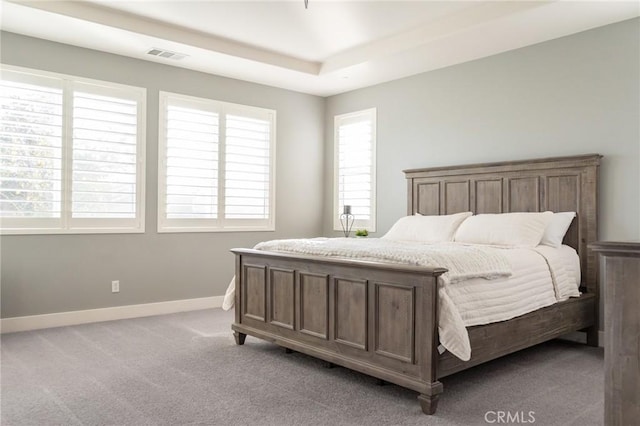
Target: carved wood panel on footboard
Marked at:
376, 318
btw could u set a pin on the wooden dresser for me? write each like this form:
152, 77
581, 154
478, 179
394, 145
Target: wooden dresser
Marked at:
622, 331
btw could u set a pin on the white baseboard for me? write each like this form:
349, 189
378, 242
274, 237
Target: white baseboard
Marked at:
60, 319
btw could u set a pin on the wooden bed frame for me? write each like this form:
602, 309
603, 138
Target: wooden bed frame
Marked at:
382, 319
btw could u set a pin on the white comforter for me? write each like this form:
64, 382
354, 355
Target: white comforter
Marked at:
483, 285
462, 261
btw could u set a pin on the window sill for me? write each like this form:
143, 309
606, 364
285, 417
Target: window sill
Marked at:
176, 230
74, 231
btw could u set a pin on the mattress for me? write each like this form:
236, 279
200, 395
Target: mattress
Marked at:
538, 277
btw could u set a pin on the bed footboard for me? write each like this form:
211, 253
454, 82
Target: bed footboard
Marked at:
376, 318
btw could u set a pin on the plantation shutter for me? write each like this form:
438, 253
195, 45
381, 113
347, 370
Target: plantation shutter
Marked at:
216, 166
31, 131
191, 162
247, 167
104, 155
355, 143
71, 154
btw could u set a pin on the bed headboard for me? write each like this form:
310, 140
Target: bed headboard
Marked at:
555, 184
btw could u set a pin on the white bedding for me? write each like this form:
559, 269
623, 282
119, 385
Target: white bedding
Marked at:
462, 261
539, 277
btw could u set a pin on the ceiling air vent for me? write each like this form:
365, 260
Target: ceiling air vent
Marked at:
166, 54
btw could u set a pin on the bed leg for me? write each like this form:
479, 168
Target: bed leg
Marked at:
327, 364
239, 337
592, 336
428, 403
288, 351
429, 399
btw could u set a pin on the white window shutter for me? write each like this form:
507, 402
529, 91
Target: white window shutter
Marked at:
30, 151
191, 164
72, 154
355, 157
104, 159
216, 166
247, 168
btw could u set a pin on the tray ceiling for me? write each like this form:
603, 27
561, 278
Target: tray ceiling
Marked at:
329, 48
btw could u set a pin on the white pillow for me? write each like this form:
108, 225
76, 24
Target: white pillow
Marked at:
426, 229
557, 228
505, 229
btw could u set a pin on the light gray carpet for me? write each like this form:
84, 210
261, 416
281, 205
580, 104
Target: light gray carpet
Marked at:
185, 369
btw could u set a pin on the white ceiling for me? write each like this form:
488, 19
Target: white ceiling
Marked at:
329, 48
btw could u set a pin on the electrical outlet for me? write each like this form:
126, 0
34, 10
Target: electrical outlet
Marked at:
115, 286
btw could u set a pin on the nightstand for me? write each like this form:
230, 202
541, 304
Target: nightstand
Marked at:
621, 331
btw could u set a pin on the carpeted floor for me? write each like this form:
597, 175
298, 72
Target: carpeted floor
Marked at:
185, 369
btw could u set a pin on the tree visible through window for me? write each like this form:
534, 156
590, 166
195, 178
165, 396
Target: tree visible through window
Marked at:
72, 154
30, 151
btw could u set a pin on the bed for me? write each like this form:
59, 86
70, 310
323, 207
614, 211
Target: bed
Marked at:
382, 318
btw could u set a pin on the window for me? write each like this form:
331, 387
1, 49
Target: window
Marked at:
72, 154
216, 166
355, 168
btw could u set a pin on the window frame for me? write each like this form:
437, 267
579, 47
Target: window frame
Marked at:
219, 224
66, 224
369, 225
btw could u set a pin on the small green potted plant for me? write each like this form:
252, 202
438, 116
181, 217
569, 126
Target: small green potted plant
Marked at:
362, 233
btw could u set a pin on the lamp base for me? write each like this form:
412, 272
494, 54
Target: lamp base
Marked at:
346, 220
